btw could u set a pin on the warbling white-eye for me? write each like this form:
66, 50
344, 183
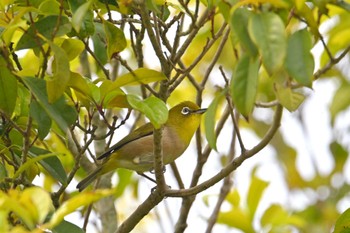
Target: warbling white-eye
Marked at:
135, 151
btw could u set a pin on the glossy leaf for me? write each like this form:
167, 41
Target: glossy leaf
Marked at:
299, 60
288, 98
80, 84
41, 118
71, 205
268, 33
209, 119
72, 48
8, 90
306, 12
45, 27
153, 108
50, 163
86, 92
8, 29
239, 25
139, 76
66, 226
63, 114
244, 84
115, 37
82, 17
83, 13
343, 223
49, 7
57, 84
112, 96
99, 43
29, 164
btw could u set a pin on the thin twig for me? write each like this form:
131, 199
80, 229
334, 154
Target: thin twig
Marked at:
188, 200
225, 188
234, 164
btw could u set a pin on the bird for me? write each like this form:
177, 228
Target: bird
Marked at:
135, 151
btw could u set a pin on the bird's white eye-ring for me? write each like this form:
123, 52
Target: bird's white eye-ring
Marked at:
185, 111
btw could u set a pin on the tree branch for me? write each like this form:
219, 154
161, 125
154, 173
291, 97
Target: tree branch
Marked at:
234, 164
142, 210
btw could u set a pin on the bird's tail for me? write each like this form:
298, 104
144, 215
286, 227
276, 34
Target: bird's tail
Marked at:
90, 178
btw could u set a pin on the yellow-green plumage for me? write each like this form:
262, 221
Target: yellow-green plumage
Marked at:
135, 151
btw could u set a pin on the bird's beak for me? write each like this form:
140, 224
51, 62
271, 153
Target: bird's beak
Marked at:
200, 111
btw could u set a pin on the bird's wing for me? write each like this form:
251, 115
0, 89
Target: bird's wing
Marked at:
141, 132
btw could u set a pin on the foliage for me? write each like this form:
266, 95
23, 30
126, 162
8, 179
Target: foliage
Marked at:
74, 74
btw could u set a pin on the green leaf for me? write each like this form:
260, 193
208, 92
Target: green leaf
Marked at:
139, 76
50, 163
343, 4
288, 98
115, 37
99, 43
86, 91
3, 173
41, 117
81, 15
62, 113
239, 26
110, 2
268, 33
340, 155
65, 227
57, 85
153, 108
45, 27
82, 19
46, 159
38, 201
72, 48
299, 60
236, 218
9, 202
244, 84
125, 178
112, 96
340, 101
81, 84
255, 192
209, 119
8, 90
49, 7
4, 225
71, 205
342, 224
152, 5
234, 198
224, 8
276, 216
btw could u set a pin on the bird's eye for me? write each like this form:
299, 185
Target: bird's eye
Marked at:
185, 111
